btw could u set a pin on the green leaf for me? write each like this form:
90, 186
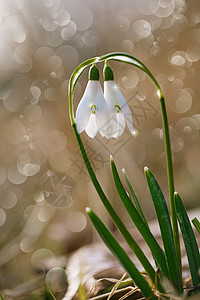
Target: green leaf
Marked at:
165, 228
156, 250
189, 239
116, 219
121, 255
196, 223
135, 198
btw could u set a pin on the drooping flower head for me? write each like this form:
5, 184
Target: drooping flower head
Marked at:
120, 114
92, 113
106, 113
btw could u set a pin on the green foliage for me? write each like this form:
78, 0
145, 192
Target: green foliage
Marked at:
121, 255
190, 242
168, 260
165, 228
48, 295
196, 223
156, 250
134, 198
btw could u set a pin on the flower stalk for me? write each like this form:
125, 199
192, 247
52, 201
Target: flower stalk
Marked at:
120, 113
171, 182
123, 57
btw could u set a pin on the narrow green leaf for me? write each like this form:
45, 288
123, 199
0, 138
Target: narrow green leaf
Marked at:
196, 223
165, 228
189, 239
121, 255
116, 219
156, 250
1, 298
135, 198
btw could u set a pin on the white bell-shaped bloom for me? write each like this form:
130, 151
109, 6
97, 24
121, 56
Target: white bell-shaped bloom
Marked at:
120, 114
92, 114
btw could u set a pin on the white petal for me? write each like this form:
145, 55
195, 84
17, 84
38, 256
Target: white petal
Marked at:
112, 126
83, 111
110, 95
120, 125
125, 109
111, 100
102, 113
91, 128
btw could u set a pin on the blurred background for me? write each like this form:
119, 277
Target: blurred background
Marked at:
44, 186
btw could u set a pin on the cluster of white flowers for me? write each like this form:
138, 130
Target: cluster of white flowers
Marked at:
101, 112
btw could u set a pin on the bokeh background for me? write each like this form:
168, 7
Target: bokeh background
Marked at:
44, 186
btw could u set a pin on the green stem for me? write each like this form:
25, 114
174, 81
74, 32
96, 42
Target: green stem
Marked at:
120, 225
121, 256
171, 182
127, 58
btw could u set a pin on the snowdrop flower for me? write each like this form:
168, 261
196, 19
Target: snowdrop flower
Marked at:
92, 113
120, 114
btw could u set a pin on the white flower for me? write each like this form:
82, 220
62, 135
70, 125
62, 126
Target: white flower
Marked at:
92, 113
120, 114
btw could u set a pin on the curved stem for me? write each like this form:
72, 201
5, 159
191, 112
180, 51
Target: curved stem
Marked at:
127, 58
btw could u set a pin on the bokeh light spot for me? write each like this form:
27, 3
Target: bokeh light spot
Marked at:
35, 91
178, 59
68, 32
162, 8
83, 18
27, 245
187, 128
141, 29
59, 189
62, 17
2, 175
28, 164
180, 100
14, 131
2, 217
49, 24
56, 279
8, 199
69, 56
90, 38
51, 94
42, 54
53, 39
38, 196
32, 112
14, 100
123, 23
193, 53
15, 176
56, 141
40, 256
130, 79
76, 221
127, 46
